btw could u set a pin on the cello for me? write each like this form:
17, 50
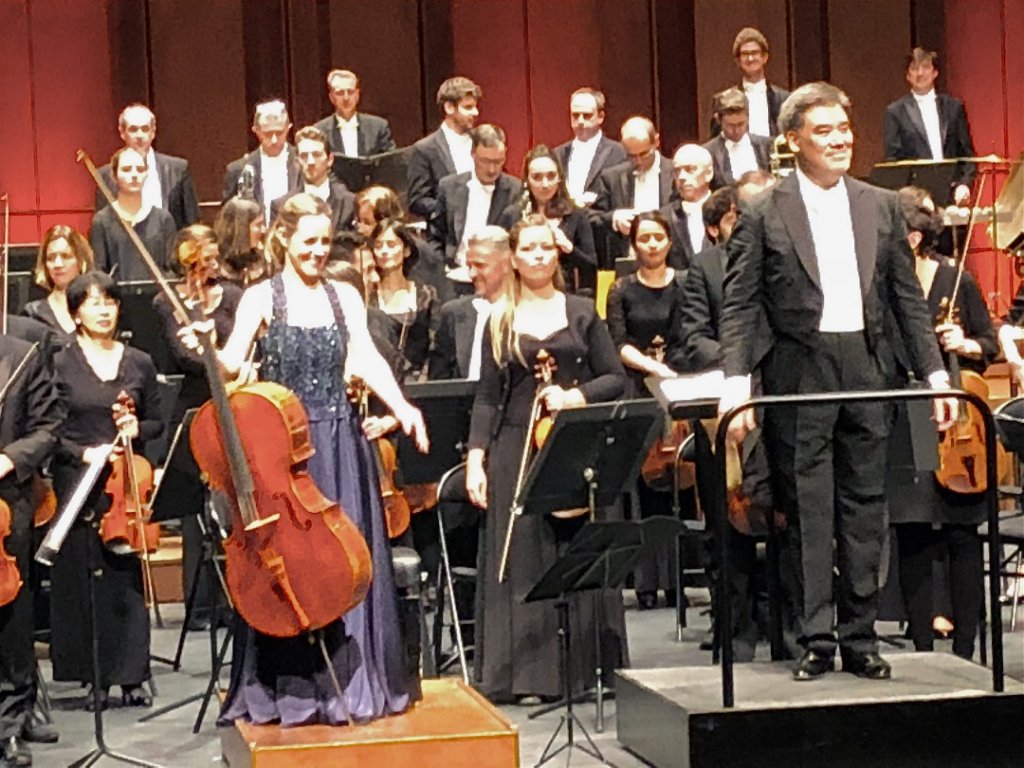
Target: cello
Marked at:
295, 561
660, 464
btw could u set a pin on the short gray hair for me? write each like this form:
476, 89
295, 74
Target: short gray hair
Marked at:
806, 98
492, 238
487, 135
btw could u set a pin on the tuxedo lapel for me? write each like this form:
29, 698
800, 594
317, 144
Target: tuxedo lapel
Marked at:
944, 117
460, 201
666, 177
465, 328
256, 162
164, 172
794, 217
294, 172
863, 214
362, 140
499, 200
443, 152
603, 148
914, 113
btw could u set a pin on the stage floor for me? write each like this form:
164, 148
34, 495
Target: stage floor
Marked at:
169, 740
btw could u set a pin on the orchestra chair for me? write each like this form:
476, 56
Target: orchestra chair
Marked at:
1009, 418
690, 559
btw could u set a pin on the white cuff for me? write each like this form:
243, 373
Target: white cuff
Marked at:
938, 380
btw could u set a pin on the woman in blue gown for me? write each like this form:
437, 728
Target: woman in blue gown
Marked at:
314, 335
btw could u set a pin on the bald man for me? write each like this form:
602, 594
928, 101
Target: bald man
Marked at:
642, 183
693, 172
171, 186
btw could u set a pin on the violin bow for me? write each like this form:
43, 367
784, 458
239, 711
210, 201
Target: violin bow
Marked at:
961, 257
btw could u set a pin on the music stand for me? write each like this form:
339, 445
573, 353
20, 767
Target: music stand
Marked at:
936, 176
446, 408
599, 557
387, 168
591, 456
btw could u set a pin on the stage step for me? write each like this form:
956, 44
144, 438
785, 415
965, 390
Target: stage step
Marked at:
452, 727
938, 710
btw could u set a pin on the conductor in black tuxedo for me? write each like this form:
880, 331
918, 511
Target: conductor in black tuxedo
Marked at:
29, 420
590, 151
446, 151
270, 171
736, 150
642, 183
821, 264
929, 125
169, 184
349, 132
315, 160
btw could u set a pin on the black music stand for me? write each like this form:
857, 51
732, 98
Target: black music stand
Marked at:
387, 168
446, 408
936, 176
599, 557
591, 456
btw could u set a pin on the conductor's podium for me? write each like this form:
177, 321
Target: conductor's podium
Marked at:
453, 726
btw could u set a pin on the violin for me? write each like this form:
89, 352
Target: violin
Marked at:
660, 470
44, 501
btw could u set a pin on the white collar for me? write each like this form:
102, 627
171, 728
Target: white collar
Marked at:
930, 96
694, 206
142, 213
281, 159
475, 182
592, 142
322, 190
481, 305
814, 194
451, 136
352, 122
761, 86
743, 142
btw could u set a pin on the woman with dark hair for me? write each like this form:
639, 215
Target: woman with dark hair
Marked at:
91, 373
643, 309
544, 193
240, 228
516, 643
63, 255
412, 307
114, 250
374, 204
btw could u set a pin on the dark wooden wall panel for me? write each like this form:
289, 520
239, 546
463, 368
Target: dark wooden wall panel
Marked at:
128, 41
807, 24
17, 140
379, 41
626, 59
200, 86
868, 53
308, 34
675, 65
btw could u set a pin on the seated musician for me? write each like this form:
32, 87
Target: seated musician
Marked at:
29, 421
63, 255
517, 642
91, 374
932, 520
644, 318
114, 250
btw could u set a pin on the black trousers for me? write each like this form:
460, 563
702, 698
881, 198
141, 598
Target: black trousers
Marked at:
17, 657
828, 478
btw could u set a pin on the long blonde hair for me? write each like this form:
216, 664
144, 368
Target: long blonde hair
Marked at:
504, 342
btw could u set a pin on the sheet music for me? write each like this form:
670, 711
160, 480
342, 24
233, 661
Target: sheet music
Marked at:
694, 386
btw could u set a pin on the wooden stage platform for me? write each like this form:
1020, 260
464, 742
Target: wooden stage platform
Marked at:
452, 727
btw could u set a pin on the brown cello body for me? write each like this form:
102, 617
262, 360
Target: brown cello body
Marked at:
10, 574
302, 563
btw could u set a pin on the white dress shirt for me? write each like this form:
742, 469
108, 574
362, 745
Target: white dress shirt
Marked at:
757, 100
483, 313
695, 221
461, 148
828, 211
930, 116
478, 206
152, 194
741, 156
322, 190
274, 175
349, 135
647, 189
581, 157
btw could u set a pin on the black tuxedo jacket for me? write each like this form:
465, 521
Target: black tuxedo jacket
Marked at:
447, 222
177, 190
776, 96
773, 267
235, 167
453, 342
702, 309
906, 138
615, 188
609, 152
342, 204
429, 162
373, 132
680, 254
720, 155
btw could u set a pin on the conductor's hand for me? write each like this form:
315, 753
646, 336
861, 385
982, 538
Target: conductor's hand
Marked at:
411, 421
476, 484
736, 390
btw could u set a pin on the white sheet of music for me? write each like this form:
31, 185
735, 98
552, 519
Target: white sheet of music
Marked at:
694, 386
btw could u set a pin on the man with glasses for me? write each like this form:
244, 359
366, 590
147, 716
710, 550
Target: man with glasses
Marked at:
590, 152
750, 49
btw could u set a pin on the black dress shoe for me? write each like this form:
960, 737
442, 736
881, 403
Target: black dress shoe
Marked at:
16, 752
868, 665
647, 600
812, 666
40, 733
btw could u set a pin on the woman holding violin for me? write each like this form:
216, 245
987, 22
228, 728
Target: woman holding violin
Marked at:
935, 516
315, 335
517, 643
645, 320
94, 375
63, 255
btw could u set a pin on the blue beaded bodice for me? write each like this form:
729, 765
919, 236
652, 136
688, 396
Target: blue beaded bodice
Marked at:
309, 361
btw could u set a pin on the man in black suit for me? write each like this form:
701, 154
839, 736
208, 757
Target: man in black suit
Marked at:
736, 150
269, 172
590, 152
29, 420
642, 183
171, 187
693, 169
351, 133
315, 159
927, 125
751, 51
820, 264
446, 151
467, 202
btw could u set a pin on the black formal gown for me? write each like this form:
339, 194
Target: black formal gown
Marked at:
124, 621
40, 310
517, 643
116, 254
413, 332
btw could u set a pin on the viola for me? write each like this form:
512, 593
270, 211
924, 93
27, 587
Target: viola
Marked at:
44, 501
10, 574
660, 470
